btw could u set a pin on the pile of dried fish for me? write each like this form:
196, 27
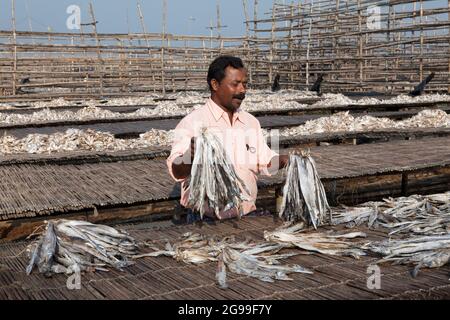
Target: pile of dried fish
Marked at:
330, 99
427, 251
324, 243
214, 183
272, 105
92, 113
421, 215
72, 246
258, 260
425, 216
304, 197
416, 214
190, 97
344, 122
81, 140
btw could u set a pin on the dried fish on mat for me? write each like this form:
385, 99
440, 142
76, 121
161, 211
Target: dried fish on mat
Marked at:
427, 251
345, 122
355, 216
81, 140
304, 197
68, 246
214, 182
258, 260
321, 242
264, 267
416, 214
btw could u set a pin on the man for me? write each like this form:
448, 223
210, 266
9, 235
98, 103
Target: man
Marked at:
239, 132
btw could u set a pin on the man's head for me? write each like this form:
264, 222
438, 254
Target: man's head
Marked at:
227, 80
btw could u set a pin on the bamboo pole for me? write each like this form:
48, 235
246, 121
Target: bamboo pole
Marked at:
100, 60
272, 44
163, 47
255, 38
421, 42
247, 40
14, 39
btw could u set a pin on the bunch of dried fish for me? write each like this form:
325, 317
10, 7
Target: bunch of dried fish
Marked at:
258, 260
427, 251
324, 243
214, 183
304, 197
72, 246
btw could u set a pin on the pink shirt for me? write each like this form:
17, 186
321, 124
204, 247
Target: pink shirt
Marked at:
243, 141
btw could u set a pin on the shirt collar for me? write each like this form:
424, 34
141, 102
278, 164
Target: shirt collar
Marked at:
218, 112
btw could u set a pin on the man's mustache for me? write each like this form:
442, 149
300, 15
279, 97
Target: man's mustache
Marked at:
239, 96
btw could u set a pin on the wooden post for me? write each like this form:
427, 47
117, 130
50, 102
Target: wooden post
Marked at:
421, 41
100, 60
14, 39
163, 75
219, 24
309, 43
29, 20
336, 39
291, 53
247, 41
360, 39
255, 35
272, 44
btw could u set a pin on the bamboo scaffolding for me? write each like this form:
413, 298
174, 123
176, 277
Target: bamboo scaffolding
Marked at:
340, 40
355, 51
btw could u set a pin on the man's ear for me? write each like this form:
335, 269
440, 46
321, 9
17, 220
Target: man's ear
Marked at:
215, 84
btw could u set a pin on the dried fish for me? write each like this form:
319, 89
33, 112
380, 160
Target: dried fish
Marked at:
82, 140
214, 183
427, 251
345, 122
264, 268
324, 243
68, 246
258, 260
304, 197
416, 214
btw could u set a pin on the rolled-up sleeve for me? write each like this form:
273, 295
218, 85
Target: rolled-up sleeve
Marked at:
181, 143
265, 154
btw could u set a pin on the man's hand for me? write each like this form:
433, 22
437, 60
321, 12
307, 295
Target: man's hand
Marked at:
181, 166
192, 149
278, 162
284, 160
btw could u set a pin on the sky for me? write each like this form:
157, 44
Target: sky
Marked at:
183, 16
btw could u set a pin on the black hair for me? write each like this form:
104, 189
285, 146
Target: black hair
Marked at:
217, 67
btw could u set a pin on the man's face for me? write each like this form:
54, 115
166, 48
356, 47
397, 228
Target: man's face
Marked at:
230, 92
